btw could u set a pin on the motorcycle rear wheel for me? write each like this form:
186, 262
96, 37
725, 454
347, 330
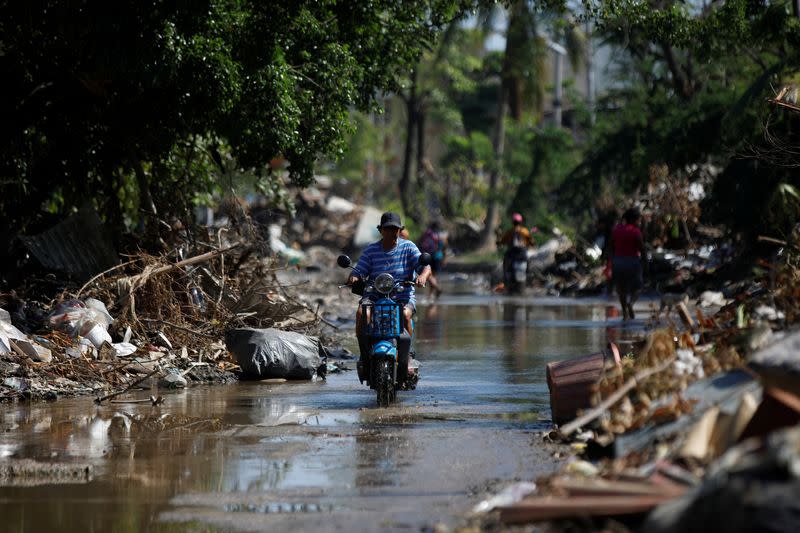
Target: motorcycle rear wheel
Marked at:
384, 387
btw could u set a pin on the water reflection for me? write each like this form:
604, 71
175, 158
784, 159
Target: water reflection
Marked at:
382, 454
516, 335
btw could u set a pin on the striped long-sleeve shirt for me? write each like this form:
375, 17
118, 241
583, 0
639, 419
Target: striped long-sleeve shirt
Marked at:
402, 262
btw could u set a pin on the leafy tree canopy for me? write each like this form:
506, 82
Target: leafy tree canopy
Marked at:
690, 86
96, 92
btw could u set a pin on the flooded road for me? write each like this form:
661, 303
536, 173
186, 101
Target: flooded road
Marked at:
259, 456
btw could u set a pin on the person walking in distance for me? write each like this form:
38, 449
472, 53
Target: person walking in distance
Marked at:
434, 242
627, 247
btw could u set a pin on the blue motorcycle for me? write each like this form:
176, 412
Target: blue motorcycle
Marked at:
384, 343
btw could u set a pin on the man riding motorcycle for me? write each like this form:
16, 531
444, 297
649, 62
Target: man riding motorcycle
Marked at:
396, 256
517, 239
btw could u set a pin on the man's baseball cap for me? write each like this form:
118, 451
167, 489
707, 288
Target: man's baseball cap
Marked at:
390, 220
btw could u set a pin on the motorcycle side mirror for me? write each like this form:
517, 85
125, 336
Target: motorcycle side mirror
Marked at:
344, 261
425, 259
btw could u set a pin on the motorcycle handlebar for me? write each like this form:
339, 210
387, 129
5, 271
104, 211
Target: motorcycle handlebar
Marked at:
369, 285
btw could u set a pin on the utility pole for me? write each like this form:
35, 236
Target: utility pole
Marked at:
590, 81
558, 92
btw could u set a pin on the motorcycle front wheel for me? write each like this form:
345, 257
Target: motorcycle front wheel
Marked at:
384, 386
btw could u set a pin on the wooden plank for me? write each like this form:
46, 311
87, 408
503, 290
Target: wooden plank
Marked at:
778, 409
605, 487
683, 312
783, 104
550, 508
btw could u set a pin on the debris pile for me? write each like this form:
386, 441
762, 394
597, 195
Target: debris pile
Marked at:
161, 317
693, 423
681, 251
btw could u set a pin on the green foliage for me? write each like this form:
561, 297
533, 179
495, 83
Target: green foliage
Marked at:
100, 94
462, 187
538, 160
690, 88
364, 145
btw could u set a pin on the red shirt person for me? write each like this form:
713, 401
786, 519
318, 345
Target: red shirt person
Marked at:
627, 247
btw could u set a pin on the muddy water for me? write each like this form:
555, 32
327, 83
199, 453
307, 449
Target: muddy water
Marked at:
261, 456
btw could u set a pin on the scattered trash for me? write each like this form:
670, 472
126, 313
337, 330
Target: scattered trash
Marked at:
272, 353
124, 349
17, 384
8, 332
172, 380
581, 468
711, 298
507, 496
766, 312
335, 368
32, 350
753, 487
338, 352
88, 319
686, 363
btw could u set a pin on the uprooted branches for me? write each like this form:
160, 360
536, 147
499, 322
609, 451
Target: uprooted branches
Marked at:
195, 299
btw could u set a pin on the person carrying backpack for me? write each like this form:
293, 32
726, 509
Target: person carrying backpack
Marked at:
434, 242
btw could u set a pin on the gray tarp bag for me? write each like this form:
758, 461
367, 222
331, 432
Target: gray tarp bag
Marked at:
272, 353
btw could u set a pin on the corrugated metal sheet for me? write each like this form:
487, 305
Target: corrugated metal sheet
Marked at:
79, 245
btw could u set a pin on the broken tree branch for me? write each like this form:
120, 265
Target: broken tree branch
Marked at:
176, 326
126, 389
101, 274
603, 406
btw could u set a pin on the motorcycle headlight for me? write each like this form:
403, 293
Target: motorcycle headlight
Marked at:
384, 283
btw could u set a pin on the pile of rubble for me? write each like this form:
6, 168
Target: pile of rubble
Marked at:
162, 317
682, 251
701, 420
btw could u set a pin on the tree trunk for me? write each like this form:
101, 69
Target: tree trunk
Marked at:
411, 116
683, 85
146, 202
590, 80
420, 147
422, 177
447, 194
488, 237
515, 98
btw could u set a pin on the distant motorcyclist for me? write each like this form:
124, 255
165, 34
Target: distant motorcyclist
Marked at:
517, 238
399, 257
